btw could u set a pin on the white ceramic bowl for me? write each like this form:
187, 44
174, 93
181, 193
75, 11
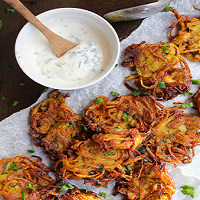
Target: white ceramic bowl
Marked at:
29, 36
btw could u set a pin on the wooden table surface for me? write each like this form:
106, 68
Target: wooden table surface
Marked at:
10, 80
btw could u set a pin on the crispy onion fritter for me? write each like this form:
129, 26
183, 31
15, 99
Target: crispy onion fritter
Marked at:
90, 162
24, 178
188, 37
175, 137
124, 122
147, 181
158, 63
55, 125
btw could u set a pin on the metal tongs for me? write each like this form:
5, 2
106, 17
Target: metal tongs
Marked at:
138, 12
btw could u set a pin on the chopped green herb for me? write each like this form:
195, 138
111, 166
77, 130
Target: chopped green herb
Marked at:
8, 67
139, 92
30, 187
10, 10
127, 167
165, 50
83, 190
106, 154
1, 25
161, 84
45, 90
187, 105
168, 7
13, 166
115, 94
189, 190
99, 100
116, 65
15, 103
67, 187
22, 84
60, 181
105, 186
125, 118
187, 94
133, 69
103, 194
3, 98
31, 151
196, 82
85, 129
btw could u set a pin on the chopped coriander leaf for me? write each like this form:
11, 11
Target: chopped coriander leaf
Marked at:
1, 25
99, 100
139, 92
85, 129
3, 98
67, 187
125, 118
116, 65
187, 94
103, 194
115, 94
165, 50
30, 187
8, 67
60, 181
15, 103
196, 82
133, 69
161, 84
31, 151
106, 154
22, 84
13, 166
168, 7
105, 186
127, 167
10, 10
187, 105
189, 190
45, 90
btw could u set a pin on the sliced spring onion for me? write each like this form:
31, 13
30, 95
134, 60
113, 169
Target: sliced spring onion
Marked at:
196, 82
99, 100
139, 92
115, 94
187, 105
161, 84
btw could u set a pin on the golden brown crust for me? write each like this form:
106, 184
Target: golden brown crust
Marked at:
147, 181
124, 122
156, 63
188, 37
175, 137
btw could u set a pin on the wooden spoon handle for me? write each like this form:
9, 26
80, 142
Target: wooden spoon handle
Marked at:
19, 7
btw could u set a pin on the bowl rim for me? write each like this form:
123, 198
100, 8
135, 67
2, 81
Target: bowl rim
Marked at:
98, 17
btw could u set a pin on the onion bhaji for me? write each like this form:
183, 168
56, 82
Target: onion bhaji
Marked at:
124, 122
90, 162
24, 178
55, 125
77, 194
174, 137
161, 71
188, 37
147, 181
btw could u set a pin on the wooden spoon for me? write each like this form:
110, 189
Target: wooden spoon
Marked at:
60, 45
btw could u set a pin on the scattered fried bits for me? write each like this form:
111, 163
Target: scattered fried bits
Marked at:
188, 37
24, 178
147, 181
175, 137
124, 122
55, 125
161, 71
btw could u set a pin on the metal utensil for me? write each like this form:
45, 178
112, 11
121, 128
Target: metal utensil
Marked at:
138, 12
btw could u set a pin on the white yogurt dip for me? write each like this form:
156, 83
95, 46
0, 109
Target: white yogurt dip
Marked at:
78, 65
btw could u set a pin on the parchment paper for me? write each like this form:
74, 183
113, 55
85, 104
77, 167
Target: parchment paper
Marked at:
14, 130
